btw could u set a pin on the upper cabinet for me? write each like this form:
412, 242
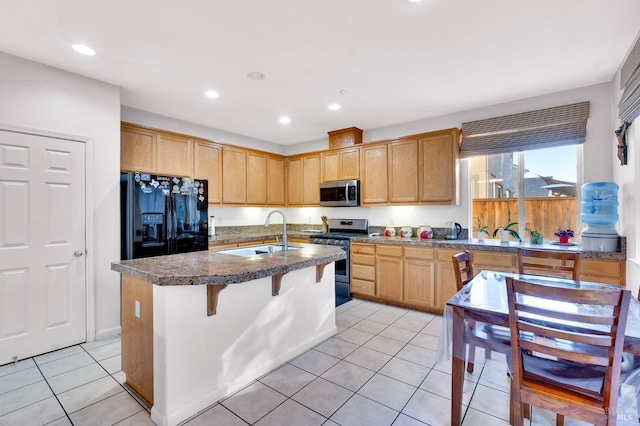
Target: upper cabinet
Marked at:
303, 180
207, 164
374, 188
145, 150
137, 149
276, 180
342, 164
234, 175
403, 170
439, 167
416, 169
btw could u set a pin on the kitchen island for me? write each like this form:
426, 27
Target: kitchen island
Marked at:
198, 326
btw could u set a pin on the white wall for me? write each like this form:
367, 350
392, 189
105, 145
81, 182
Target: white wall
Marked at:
36, 96
149, 119
598, 151
627, 177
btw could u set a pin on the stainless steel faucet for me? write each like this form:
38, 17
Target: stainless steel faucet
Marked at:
284, 222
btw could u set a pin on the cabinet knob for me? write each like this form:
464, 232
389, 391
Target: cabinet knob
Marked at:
77, 253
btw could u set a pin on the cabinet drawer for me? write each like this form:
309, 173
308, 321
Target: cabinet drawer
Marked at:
418, 252
363, 248
505, 260
363, 287
363, 259
363, 272
395, 251
445, 255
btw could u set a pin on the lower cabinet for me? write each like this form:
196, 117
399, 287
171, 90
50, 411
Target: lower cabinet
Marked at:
424, 278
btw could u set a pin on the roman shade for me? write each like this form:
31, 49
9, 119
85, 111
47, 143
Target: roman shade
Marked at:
629, 106
543, 128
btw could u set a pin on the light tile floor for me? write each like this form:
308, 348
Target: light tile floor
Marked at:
380, 369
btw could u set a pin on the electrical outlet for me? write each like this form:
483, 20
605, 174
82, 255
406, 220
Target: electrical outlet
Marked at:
137, 309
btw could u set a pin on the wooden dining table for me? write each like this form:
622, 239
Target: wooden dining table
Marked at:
484, 299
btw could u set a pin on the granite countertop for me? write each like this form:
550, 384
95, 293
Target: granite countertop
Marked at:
210, 267
493, 245
256, 236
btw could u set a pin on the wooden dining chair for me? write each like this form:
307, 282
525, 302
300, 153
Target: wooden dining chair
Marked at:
562, 264
476, 334
572, 370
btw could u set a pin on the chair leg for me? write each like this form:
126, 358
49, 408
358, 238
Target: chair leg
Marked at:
487, 353
471, 358
516, 415
559, 420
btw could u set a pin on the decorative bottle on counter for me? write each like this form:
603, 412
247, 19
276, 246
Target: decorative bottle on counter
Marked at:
390, 231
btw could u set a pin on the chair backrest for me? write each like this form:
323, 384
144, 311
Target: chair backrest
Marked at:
592, 341
462, 268
549, 262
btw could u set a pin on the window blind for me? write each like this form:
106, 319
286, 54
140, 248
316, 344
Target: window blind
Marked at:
629, 106
544, 128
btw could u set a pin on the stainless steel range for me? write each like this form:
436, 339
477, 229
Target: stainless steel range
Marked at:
340, 230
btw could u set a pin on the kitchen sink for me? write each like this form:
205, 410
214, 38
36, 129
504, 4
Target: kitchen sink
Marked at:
252, 251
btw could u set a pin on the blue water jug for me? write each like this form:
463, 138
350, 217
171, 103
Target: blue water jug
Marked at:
599, 204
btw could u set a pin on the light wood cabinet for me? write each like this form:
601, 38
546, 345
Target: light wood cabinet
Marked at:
363, 269
374, 183
603, 271
445, 282
493, 261
275, 181
175, 156
403, 171
207, 164
389, 272
340, 164
439, 167
234, 176
137, 149
256, 169
419, 274
303, 180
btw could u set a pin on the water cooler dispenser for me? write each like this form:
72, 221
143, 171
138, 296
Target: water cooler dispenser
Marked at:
599, 211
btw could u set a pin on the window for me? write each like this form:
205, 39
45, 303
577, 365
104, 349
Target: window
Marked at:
536, 188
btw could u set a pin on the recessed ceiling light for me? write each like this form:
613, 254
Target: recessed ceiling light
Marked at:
212, 94
83, 49
334, 107
285, 120
415, 1
255, 75
343, 92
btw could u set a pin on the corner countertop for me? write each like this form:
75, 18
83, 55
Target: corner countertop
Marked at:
210, 267
493, 245
256, 236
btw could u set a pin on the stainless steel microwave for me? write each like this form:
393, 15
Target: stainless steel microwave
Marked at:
340, 193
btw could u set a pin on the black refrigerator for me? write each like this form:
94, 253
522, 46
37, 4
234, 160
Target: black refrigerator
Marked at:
162, 215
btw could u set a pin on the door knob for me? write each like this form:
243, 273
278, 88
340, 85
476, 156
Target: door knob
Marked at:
77, 253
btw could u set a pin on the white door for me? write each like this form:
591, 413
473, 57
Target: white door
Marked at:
42, 245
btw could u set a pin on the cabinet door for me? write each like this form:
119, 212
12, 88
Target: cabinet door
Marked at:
275, 181
137, 150
234, 176
294, 181
374, 175
256, 178
330, 164
174, 156
403, 171
438, 171
207, 164
389, 277
418, 282
311, 180
349, 164
603, 271
445, 281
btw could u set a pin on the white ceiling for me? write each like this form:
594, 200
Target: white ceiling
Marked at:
399, 61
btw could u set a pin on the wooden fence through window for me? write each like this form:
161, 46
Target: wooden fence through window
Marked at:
543, 214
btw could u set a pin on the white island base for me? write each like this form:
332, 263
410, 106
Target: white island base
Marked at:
198, 359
